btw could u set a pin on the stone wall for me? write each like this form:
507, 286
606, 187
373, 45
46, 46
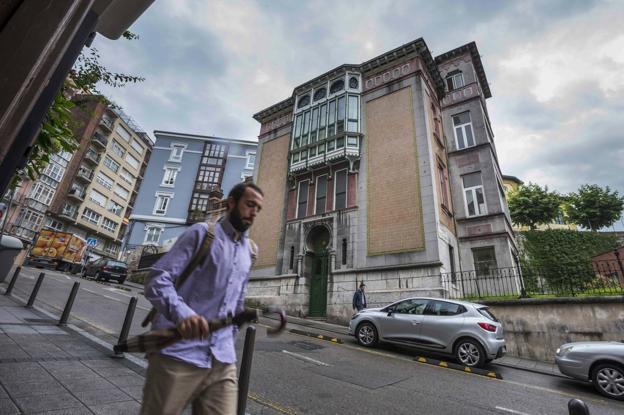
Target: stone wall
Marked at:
535, 328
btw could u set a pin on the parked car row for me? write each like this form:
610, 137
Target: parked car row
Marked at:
474, 336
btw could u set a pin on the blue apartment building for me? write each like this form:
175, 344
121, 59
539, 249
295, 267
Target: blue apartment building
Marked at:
184, 172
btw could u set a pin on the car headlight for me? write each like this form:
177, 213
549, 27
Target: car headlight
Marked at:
354, 316
562, 351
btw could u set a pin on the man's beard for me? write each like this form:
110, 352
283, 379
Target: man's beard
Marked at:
237, 220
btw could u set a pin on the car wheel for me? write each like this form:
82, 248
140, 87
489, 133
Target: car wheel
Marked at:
121, 281
608, 379
470, 353
367, 334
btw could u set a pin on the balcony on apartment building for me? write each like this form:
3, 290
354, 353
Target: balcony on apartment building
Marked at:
69, 212
85, 174
99, 140
106, 123
77, 194
92, 156
343, 146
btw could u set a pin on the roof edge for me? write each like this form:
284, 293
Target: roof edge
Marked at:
476, 58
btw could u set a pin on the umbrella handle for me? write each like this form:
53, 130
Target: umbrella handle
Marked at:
274, 331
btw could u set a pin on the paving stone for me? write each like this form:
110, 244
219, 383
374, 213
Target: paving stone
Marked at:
82, 410
7, 317
38, 387
114, 371
15, 329
102, 396
22, 372
126, 380
119, 408
47, 402
8, 408
82, 385
3, 394
50, 330
135, 391
102, 363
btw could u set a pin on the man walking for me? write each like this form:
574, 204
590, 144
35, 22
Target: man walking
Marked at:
201, 368
359, 298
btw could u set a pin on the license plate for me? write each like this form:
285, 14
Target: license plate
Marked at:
114, 275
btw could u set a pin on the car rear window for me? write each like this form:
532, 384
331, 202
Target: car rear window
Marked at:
116, 264
442, 308
487, 313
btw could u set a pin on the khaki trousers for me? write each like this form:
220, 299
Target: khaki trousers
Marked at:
170, 385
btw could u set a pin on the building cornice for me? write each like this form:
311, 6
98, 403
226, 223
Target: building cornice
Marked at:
204, 137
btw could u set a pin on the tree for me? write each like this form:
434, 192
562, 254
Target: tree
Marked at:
57, 129
593, 207
532, 205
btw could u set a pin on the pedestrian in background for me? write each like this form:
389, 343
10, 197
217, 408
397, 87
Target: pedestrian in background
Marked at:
202, 367
359, 298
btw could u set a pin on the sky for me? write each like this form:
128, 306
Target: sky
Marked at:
555, 69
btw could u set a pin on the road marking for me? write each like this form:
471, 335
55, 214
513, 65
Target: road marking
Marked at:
511, 411
306, 358
118, 291
272, 405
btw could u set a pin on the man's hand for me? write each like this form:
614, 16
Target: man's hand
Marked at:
193, 327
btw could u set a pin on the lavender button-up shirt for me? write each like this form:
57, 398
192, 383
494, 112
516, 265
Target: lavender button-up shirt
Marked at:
214, 289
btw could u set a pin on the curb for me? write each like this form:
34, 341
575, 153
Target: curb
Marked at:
461, 368
528, 369
316, 336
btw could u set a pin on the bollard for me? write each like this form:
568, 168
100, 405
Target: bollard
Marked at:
125, 329
13, 281
245, 370
35, 290
69, 305
577, 407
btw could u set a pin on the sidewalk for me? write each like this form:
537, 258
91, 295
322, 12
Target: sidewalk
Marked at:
342, 333
49, 369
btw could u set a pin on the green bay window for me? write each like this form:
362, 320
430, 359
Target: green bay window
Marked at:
354, 110
331, 117
297, 135
322, 122
314, 126
341, 115
305, 129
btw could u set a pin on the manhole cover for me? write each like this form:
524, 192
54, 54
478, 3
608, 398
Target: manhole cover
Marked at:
307, 345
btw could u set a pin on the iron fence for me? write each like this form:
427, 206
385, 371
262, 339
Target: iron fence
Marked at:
593, 278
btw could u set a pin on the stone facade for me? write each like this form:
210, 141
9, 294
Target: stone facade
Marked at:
366, 184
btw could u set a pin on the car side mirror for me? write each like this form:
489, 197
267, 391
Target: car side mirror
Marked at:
390, 311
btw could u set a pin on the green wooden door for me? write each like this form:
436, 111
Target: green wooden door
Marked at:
318, 286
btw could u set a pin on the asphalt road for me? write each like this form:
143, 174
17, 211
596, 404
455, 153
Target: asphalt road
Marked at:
294, 374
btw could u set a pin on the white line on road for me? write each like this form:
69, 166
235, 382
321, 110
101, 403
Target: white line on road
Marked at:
118, 291
306, 358
511, 411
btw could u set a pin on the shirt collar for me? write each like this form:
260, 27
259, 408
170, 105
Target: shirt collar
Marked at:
230, 231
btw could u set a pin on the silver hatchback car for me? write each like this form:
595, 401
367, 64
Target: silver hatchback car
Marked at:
466, 330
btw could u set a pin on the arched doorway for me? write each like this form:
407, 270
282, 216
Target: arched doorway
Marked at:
318, 243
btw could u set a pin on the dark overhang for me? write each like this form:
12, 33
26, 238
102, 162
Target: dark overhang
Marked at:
476, 59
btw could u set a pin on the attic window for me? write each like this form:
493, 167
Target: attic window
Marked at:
337, 86
320, 94
303, 101
353, 83
454, 80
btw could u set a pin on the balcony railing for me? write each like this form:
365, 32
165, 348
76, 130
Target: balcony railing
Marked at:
92, 156
106, 123
100, 140
36, 205
69, 213
461, 94
85, 174
77, 194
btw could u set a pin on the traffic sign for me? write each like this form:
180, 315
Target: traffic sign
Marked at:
92, 242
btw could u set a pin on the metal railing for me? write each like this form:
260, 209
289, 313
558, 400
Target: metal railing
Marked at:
100, 140
594, 278
77, 194
92, 156
84, 173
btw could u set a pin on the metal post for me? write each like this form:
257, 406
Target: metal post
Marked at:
245, 370
35, 290
13, 281
69, 305
577, 407
522, 289
125, 329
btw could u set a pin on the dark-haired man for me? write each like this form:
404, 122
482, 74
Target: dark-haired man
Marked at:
201, 368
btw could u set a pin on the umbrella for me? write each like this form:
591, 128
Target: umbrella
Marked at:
155, 340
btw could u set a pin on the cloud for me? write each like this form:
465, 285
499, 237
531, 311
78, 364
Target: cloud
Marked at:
555, 69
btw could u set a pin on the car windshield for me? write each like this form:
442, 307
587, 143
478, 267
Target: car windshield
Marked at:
484, 311
116, 264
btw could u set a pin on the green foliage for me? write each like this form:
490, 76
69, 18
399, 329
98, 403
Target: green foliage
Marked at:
562, 259
57, 129
593, 207
532, 205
